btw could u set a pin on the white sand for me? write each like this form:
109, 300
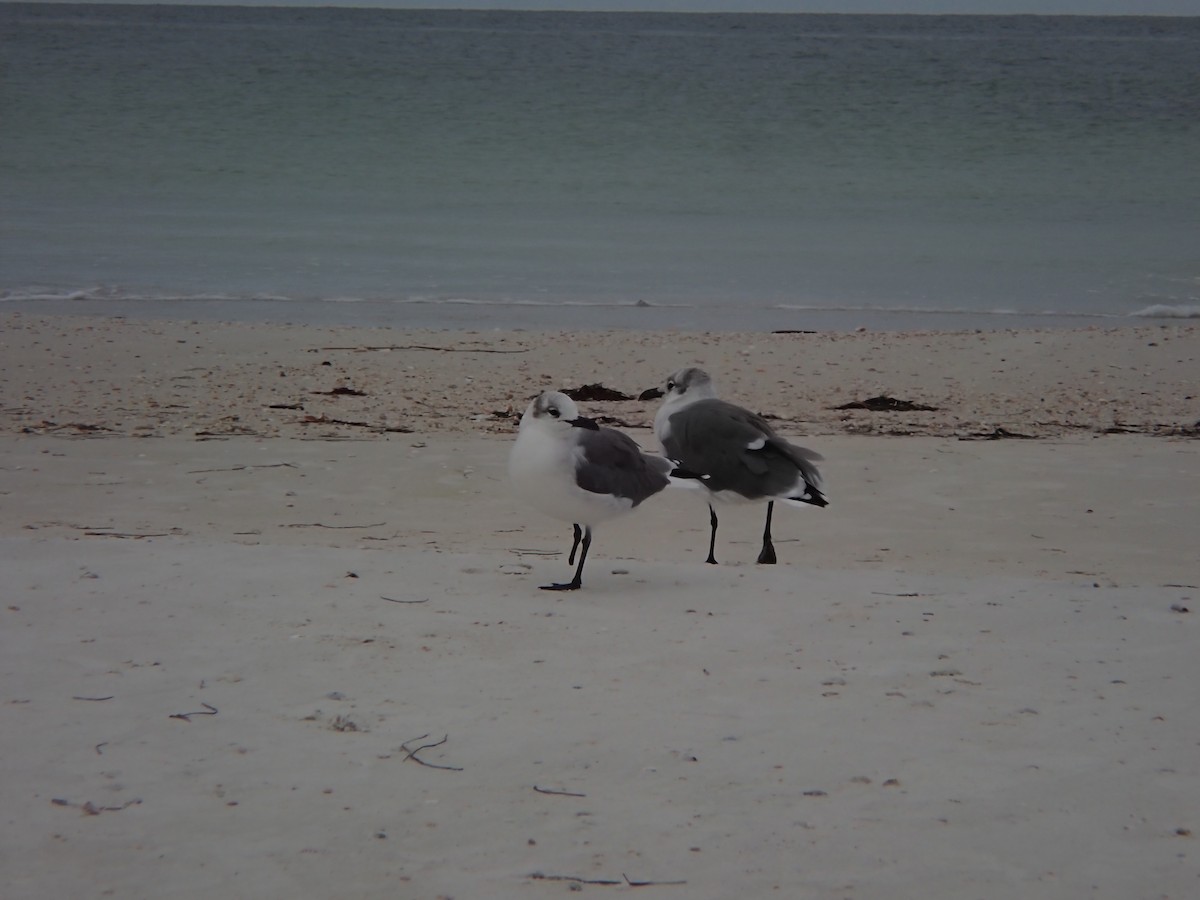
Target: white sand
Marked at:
971, 676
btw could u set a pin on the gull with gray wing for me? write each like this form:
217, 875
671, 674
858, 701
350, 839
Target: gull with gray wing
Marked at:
733, 453
567, 466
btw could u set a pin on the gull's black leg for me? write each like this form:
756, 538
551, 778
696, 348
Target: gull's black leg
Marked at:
575, 546
712, 540
767, 556
577, 582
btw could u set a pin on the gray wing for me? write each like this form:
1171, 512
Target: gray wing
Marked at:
737, 450
613, 463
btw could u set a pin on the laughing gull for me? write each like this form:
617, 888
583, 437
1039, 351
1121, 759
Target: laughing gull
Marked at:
734, 453
567, 466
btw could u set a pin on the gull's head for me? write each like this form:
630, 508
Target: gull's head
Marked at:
555, 411
689, 385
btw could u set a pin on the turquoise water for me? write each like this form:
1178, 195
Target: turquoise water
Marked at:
582, 170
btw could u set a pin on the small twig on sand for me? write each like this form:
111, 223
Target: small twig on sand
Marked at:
93, 699
540, 876
187, 717
426, 347
542, 790
327, 420
221, 435
997, 434
412, 754
575, 879
91, 809
125, 534
244, 468
322, 525
393, 600
633, 883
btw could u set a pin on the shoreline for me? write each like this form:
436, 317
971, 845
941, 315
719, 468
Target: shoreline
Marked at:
588, 316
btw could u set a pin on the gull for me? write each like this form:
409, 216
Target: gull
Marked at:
733, 453
567, 466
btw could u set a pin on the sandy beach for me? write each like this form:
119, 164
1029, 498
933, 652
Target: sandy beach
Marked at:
272, 627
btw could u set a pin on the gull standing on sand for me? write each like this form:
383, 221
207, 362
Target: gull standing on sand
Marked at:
735, 455
567, 466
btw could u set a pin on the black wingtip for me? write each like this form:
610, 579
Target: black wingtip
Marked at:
812, 496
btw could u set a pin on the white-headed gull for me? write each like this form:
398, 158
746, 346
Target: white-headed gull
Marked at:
734, 454
567, 466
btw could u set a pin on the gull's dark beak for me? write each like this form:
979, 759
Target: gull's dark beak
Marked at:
585, 422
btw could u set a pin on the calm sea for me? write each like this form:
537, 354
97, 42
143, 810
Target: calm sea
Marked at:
500, 169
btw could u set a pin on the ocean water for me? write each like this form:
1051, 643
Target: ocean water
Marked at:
501, 169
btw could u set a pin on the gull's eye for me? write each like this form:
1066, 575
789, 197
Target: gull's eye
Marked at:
670, 385
553, 411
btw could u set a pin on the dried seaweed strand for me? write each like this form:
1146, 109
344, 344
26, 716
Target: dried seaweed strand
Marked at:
208, 710
412, 754
542, 790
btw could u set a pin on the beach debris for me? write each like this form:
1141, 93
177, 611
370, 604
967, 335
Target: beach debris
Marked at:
573, 879
411, 753
341, 391
79, 429
91, 809
1187, 431
884, 403
557, 793
323, 525
282, 465
125, 535
596, 392
997, 434
576, 880
327, 420
231, 430
343, 723
618, 422
394, 600
387, 347
209, 710
94, 699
